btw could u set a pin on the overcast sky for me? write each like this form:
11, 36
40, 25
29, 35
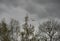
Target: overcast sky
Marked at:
38, 9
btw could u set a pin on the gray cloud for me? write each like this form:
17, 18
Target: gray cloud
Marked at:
49, 8
42, 8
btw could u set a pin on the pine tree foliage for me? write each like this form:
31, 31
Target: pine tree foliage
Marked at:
28, 33
7, 30
46, 31
4, 31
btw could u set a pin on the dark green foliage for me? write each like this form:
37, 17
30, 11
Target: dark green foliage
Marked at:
7, 30
4, 31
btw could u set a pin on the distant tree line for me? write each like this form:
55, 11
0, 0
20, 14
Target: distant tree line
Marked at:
47, 31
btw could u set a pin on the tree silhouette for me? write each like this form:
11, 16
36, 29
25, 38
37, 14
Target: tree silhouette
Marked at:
28, 31
50, 28
7, 31
15, 28
4, 31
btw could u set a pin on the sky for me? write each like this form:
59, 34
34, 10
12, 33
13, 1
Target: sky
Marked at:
36, 9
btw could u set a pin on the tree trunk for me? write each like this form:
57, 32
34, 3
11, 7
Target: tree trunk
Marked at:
50, 38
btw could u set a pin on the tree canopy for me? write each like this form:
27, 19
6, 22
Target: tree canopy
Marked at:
47, 31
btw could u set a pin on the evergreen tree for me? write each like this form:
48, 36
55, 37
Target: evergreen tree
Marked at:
4, 31
28, 31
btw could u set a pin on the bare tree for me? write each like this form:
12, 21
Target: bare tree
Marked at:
50, 28
15, 28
